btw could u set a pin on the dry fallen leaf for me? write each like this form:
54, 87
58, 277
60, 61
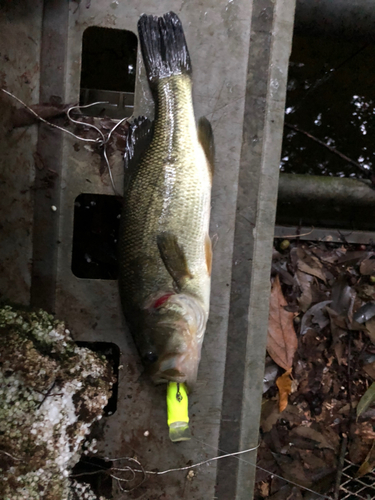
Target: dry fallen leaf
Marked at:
305, 281
286, 277
370, 369
316, 315
365, 291
366, 400
282, 340
367, 267
364, 313
284, 384
365, 430
310, 433
264, 489
343, 297
368, 464
310, 264
338, 334
352, 258
269, 415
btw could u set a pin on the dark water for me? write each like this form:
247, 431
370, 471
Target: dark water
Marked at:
331, 95
95, 232
109, 59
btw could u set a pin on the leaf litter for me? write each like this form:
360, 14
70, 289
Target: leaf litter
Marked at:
282, 339
319, 385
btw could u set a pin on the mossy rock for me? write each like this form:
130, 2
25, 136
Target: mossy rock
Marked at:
51, 392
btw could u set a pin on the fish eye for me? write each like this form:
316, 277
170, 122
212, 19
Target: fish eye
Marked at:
150, 357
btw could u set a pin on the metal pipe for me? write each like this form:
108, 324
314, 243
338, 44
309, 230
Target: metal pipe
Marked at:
320, 201
298, 188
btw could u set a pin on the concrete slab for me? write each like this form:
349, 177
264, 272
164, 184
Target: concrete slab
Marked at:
218, 38
271, 35
20, 36
238, 50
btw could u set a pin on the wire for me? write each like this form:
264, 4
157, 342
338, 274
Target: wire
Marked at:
188, 467
101, 141
145, 472
270, 472
45, 121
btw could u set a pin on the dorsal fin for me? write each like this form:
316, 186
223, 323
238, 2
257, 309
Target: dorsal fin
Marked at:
137, 142
206, 139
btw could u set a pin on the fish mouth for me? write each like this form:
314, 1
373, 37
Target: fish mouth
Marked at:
177, 367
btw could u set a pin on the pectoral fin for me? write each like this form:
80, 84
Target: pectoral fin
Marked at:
173, 258
137, 142
206, 139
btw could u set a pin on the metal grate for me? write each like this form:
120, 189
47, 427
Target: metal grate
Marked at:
353, 488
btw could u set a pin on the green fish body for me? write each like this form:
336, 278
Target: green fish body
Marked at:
164, 247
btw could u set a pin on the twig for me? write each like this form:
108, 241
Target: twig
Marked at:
91, 473
298, 235
342, 237
330, 148
340, 466
11, 456
349, 373
48, 393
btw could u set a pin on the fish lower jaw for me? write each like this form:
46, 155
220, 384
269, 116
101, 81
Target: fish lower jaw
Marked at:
180, 368
165, 378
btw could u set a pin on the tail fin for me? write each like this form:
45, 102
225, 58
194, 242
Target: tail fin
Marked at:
163, 46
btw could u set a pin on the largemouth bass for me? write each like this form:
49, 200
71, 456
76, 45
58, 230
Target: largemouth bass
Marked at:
164, 247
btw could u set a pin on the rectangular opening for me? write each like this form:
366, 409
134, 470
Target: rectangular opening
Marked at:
95, 233
108, 71
94, 472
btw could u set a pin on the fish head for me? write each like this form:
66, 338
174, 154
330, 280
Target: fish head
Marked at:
175, 327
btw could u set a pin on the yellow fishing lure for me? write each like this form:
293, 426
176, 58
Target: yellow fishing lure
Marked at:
178, 412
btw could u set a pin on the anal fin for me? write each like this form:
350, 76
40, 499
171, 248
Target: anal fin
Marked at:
173, 258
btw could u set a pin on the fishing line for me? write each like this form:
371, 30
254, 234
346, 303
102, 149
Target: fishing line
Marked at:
106, 157
101, 141
145, 473
264, 470
89, 125
187, 467
45, 121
